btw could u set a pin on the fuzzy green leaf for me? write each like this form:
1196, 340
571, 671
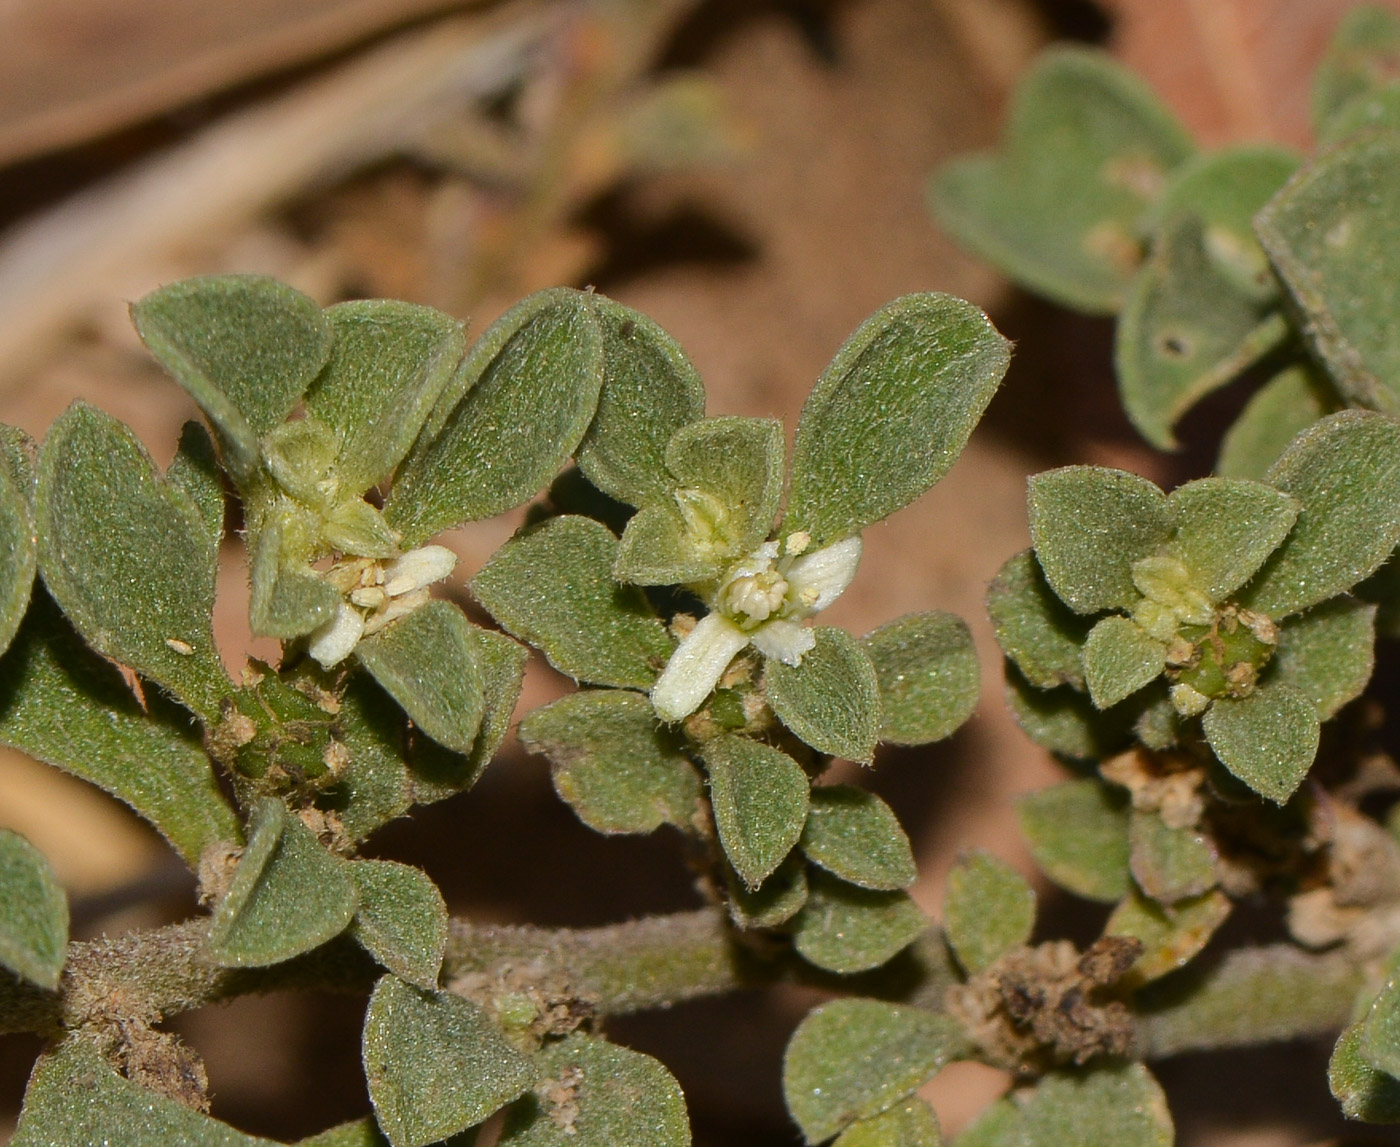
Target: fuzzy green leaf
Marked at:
33, 913
62, 704
831, 700
740, 462
929, 676
1186, 330
128, 557
899, 401
658, 548
1089, 525
1171, 934
855, 1058
776, 901
615, 765
911, 1125
18, 555
1365, 1093
1328, 653
426, 662
1169, 864
389, 365
1380, 1030
846, 929
988, 908
287, 600
245, 347
195, 469
1034, 628
400, 919
650, 390
1226, 528
288, 894
1226, 189
1087, 151
1119, 1104
1065, 721
611, 1097
552, 586
1268, 739
75, 1099
1344, 472
531, 386
760, 798
1360, 59
357, 1133
1119, 659
856, 836
1321, 232
1078, 834
435, 1063
1280, 410
998, 1126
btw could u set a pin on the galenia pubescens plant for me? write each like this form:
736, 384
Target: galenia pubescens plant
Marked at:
1182, 652
658, 573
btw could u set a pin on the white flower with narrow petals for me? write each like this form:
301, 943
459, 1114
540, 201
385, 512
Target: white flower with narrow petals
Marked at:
761, 600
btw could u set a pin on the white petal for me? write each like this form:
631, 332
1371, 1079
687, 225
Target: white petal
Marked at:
418, 568
784, 641
334, 641
696, 666
819, 578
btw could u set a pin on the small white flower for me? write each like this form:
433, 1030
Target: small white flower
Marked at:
386, 592
761, 600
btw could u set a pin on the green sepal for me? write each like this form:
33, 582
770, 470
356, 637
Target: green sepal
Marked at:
1380, 1029
195, 470
658, 548
287, 600
1171, 934
739, 461
128, 557
426, 661
33, 913
531, 386
1268, 739
1186, 330
613, 763
1344, 472
245, 347
1035, 629
400, 919
1117, 1103
912, 1124
1065, 721
616, 1098
988, 909
1090, 525
1119, 659
832, 700
1365, 1093
288, 894
929, 676
1278, 412
650, 390
855, 835
1360, 60
1077, 832
18, 553
760, 799
388, 367
846, 929
776, 901
62, 704
1059, 209
552, 586
435, 1063
76, 1099
1321, 232
1225, 530
1169, 864
856, 1058
1327, 653
900, 400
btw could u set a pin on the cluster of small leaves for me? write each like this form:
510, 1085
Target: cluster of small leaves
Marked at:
659, 573
1214, 262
